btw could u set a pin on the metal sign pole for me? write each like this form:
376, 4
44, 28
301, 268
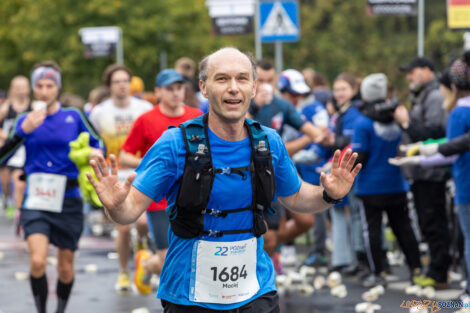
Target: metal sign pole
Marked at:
258, 46
119, 49
163, 59
420, 28
278, 55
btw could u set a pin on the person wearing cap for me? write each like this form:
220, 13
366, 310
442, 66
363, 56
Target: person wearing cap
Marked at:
455, 151
310, 158
113, 119
442, 146
215, 260
293, 88
445, 147
52, 211
381, 186
427, 120
170, 111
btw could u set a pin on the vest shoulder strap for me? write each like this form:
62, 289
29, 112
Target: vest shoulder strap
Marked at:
257, 133
193, 134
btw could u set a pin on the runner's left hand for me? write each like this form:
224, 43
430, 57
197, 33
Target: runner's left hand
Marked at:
341, 178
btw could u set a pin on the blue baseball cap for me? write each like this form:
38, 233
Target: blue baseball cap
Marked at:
168, 77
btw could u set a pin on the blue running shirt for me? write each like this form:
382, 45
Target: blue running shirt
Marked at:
159, 175
47, 147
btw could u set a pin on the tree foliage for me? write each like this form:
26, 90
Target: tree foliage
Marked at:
336, 36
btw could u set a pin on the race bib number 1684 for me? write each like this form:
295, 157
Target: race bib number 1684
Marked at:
223, 272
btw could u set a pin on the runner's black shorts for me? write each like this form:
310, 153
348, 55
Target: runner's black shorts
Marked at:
274, 220
63, 229
158, 223
267, 303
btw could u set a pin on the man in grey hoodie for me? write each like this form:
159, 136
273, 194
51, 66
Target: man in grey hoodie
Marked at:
427, 119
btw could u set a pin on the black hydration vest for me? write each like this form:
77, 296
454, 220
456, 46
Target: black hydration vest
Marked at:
187, 216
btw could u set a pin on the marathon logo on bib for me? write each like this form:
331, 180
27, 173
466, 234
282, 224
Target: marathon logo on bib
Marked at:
230, 250
45, 192
223, 272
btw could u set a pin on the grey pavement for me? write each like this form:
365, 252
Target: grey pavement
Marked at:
94, 290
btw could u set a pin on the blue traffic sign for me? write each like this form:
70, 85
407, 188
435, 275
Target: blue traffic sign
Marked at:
279, 21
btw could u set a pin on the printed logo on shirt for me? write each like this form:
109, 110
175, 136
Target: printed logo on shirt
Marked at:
123, 124
276, 121
69, 119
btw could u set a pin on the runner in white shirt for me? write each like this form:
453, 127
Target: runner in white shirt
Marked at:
113, 119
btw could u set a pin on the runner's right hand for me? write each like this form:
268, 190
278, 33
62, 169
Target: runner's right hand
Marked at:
110, 190
33, 120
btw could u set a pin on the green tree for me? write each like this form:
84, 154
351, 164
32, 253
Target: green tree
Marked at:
336, 36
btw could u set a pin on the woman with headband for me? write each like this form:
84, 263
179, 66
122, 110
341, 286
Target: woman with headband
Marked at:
52, 209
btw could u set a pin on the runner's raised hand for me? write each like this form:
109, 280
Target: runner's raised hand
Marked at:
109, 189
341, 178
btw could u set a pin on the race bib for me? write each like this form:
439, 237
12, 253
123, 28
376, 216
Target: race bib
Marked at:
45, 192
223, 272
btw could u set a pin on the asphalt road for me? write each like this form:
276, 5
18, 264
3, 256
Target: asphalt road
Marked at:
94, 290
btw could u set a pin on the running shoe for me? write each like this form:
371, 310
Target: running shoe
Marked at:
141, 244
315, 259
425, 281
124, 282
10, 212
374, 280
141, 278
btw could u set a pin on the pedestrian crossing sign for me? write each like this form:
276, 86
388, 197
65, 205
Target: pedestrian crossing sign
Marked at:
279, 21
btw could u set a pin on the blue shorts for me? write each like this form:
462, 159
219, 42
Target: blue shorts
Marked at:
62, 229
158, 223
